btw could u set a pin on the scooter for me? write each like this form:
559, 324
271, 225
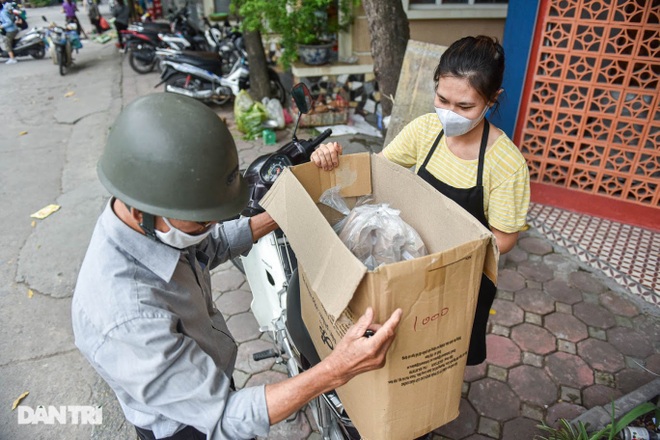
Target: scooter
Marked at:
226, 40
31, 44
143, 39
199, 75
271, 271
63, 41
141, 45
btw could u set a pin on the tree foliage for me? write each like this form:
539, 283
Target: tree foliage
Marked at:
295, 21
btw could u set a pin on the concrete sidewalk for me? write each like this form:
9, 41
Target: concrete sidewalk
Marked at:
563, 338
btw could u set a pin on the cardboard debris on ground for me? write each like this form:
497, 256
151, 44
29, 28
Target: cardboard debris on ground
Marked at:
45, 212
18, 401
419, 389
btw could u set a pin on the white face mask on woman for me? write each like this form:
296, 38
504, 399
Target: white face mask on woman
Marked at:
455, 124
179, 239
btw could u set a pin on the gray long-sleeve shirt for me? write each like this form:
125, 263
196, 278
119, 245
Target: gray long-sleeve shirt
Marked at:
144, 317
121, 13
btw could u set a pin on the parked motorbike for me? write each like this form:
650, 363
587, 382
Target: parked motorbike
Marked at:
188, 30
141, 44
143, 39
200, 75
226, 41
63, 41
30, 44
271, 271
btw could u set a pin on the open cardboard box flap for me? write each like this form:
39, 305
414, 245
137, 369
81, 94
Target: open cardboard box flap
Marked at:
298, 190
334, 283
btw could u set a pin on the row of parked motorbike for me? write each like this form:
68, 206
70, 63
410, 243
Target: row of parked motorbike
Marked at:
35, 42
38, 39
209, 65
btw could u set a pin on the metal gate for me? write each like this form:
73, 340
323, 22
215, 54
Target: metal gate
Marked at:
590, 119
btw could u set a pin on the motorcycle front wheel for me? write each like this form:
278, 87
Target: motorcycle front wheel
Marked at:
61, 61
142, 61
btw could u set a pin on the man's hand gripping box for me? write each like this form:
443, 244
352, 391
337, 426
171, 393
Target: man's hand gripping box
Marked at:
419, 389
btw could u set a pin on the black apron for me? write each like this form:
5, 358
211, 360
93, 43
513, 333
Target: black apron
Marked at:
472, 200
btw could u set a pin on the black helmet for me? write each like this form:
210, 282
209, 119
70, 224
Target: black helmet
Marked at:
171, 156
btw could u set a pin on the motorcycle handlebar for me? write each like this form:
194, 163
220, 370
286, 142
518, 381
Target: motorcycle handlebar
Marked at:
311, 144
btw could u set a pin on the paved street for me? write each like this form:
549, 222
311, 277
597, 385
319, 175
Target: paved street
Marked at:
563, 338
53, 129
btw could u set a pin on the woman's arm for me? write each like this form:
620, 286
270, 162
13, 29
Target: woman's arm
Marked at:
505, 241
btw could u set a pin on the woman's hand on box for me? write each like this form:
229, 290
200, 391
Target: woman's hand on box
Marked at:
326, 156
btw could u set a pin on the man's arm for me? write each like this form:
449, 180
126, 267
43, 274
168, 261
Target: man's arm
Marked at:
167, 372
262, 224
354, 354
233, 238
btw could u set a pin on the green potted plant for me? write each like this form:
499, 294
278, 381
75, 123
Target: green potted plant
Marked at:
309, 25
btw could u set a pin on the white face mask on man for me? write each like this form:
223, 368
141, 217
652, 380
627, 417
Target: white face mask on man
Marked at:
455, 124
179, 239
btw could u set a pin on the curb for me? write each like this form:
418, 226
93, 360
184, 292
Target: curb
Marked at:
599, 416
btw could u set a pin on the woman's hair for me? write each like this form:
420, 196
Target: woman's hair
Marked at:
480, 60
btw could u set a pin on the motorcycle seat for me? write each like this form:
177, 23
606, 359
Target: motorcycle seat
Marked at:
206, 60
154, 27
151, 34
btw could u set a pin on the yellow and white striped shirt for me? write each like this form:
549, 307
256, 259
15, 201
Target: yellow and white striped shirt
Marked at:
505, 175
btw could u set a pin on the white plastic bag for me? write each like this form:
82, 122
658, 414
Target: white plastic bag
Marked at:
331, 198
375, 233
275, 111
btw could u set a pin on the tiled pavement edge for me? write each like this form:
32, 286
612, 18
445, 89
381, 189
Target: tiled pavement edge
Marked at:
626, 254
562, 339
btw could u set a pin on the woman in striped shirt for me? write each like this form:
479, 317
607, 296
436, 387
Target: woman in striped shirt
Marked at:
457, 151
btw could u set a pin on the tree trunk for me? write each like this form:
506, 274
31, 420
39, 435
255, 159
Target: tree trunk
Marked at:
259, 84
390, 33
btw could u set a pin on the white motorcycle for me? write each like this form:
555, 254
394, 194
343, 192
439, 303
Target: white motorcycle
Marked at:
201, 75
271, 271
31, 43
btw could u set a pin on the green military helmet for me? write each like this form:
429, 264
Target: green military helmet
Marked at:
172, 156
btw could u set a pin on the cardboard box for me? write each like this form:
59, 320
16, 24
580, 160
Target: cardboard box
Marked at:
419, 389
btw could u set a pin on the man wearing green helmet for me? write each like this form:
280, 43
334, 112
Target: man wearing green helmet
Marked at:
142, 311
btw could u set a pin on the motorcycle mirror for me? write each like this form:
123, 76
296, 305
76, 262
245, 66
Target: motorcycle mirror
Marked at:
302, 97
